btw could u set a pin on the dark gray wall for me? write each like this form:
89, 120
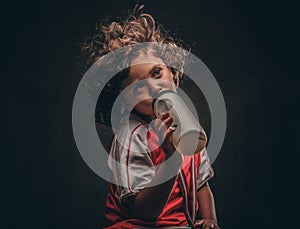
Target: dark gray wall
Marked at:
249, 46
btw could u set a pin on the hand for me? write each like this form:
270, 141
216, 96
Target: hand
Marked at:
162, 127
206, 224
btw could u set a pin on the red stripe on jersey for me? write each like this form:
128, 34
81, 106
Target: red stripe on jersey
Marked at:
157, 154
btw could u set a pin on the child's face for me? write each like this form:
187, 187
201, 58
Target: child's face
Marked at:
145, 81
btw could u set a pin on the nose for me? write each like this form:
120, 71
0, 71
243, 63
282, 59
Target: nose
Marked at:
154, 87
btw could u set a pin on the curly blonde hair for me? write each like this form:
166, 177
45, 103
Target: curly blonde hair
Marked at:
138, 27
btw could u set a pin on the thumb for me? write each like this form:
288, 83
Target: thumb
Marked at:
170, 130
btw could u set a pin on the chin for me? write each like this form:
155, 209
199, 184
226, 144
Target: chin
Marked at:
146, 114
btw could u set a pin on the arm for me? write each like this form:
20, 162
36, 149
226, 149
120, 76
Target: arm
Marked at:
206, 212
206, 203
150, 201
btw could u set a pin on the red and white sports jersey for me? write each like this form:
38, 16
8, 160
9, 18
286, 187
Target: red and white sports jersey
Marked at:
133, 155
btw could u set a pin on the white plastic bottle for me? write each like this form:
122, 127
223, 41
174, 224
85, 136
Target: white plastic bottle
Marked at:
189, 137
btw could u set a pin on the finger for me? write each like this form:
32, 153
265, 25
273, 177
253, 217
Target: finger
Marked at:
198, 223
163, 116
170, 130
164, 125
210, 226
156, 123
160, 127
168, 121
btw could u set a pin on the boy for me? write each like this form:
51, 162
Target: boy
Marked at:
141, 197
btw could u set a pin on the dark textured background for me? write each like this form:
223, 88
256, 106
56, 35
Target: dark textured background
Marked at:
248, 45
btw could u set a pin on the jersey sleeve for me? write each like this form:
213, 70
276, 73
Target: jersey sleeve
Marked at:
130, 162
205, 171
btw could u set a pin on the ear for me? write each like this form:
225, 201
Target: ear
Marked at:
173, 73
177, 74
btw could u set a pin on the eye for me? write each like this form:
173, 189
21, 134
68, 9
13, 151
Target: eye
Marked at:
156, 73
